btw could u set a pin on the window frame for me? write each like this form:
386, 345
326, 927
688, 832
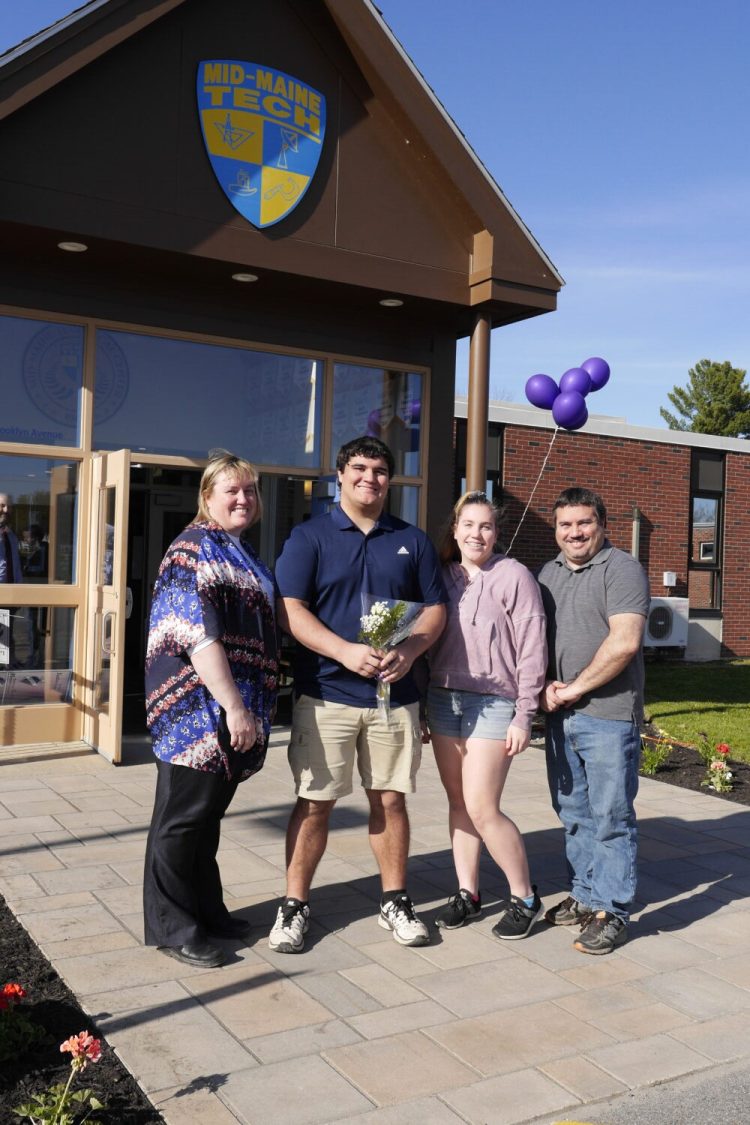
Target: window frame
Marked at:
713, 566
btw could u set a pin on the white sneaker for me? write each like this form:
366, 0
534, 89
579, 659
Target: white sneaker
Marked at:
291, 925
398, 916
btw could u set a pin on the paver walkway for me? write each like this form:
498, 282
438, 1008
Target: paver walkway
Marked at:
357, 1028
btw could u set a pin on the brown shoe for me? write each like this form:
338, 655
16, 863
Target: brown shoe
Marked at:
569, 912
602, 934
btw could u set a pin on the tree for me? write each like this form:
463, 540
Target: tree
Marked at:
716, 400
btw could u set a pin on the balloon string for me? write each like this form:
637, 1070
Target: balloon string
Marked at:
523, 517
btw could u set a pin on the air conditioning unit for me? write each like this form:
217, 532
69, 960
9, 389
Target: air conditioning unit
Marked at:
667, 623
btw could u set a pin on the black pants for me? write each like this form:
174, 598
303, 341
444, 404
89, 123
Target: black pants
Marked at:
182, 895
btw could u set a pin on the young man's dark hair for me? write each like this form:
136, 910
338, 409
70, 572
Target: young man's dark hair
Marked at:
582, 497
365, 446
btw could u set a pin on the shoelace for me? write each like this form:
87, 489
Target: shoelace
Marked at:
602, 923
596, 926
404, 907
289, 911
517, 910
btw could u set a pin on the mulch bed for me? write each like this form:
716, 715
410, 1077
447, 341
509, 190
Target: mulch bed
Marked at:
686, 768
50, 1004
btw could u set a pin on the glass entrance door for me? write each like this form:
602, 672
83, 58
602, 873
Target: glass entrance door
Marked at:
162, 503
105, 649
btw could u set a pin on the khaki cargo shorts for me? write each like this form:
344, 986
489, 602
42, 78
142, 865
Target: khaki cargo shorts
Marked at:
327, 738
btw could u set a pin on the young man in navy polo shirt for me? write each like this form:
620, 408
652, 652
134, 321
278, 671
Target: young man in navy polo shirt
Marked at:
325, 566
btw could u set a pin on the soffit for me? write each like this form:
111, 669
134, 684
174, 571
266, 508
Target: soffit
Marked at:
506, 272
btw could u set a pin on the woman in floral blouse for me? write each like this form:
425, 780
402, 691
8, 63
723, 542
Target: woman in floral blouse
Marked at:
211, 679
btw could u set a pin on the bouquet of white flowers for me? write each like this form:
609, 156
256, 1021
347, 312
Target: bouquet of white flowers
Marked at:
385, 623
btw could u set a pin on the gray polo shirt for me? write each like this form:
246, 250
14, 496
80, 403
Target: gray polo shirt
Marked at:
579, 604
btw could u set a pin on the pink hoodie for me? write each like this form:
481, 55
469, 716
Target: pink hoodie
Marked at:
494, 642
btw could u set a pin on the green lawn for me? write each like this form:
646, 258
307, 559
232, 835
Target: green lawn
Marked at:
687, 699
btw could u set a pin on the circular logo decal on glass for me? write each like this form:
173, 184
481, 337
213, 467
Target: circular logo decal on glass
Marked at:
52, 374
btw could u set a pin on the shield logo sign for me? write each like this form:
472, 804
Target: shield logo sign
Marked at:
263, 132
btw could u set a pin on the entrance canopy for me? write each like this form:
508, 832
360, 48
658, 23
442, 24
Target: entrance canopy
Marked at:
398, 204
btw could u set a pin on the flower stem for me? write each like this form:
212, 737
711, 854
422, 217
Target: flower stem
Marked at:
64, 1095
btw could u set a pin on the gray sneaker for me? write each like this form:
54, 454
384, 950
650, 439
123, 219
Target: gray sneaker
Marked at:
603, 932
569, 912
291, 925
398, 916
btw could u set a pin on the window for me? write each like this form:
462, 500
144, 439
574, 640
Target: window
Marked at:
707, 496
36, 654
41, 369
384, 404
494, 485
261, 405
41, 494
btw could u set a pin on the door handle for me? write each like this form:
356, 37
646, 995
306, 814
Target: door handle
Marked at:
107, 635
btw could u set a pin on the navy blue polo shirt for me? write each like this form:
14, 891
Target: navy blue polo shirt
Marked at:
329, 563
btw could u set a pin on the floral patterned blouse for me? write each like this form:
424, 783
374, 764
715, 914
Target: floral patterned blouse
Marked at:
207, 586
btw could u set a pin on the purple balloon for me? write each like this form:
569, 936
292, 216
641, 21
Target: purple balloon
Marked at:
576, 379
542, 390
598, 369
569, 410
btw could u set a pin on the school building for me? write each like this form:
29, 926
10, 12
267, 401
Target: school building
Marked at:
223, 224
245, 225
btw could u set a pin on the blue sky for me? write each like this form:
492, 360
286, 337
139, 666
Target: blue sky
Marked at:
619, 134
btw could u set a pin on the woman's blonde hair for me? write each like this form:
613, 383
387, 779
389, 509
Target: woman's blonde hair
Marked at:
238, 467
447, 546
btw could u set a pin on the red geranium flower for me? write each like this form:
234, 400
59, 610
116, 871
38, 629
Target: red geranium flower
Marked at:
723, 749
84, 1049
11, 994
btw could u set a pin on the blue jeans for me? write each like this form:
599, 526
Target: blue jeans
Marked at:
592, 769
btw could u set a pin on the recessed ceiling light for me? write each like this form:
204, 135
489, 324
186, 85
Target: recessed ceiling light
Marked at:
244, 277
391, 302
73, 247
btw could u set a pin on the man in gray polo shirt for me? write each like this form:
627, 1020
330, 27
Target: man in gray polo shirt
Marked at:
596, 598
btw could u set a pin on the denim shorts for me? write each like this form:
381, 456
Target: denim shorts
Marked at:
469, 714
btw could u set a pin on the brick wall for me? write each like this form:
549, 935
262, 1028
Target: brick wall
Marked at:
627, 474
736, 557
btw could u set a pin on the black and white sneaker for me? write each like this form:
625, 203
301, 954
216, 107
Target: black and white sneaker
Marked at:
398, 916
461, 908
291, 925
517, 918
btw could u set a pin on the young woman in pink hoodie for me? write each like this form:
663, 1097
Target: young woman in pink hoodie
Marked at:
486, 673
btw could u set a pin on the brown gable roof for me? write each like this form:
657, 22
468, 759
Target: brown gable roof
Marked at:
489, 258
